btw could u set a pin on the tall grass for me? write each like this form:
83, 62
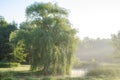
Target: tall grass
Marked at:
108, 72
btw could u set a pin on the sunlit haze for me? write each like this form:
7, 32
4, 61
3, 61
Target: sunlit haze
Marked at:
92, 18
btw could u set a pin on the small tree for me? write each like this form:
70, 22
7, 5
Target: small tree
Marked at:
19, 40
19, 54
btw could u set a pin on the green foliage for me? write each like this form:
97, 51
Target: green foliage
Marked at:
19, 52
54, 39
7, 76
8, 64
48, 39
21, 42
48, 78
5, 47
30, 79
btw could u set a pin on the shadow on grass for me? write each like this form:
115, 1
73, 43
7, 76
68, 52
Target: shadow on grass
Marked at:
29, 75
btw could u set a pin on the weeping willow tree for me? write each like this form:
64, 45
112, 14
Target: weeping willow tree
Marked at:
53, 41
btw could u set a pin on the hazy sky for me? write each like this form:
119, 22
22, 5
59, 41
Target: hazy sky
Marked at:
92, 18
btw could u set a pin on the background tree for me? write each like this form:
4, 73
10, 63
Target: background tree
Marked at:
5, 46
51, 42
90, 49
20, 40
116, 43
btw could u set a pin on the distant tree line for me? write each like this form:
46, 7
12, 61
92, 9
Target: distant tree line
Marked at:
116, 44
100, 50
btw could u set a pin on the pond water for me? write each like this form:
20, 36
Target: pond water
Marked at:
79, 72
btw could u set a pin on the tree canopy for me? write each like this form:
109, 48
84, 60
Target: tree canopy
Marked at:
5, 47
48, 37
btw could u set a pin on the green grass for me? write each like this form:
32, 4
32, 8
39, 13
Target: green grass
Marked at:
104, 72
20, 68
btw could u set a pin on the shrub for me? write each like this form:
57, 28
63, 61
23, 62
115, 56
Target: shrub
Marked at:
30, 78
48, 78
7, 76
8, 64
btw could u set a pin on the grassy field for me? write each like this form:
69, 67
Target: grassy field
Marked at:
103, 72
20, 68
111, 72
